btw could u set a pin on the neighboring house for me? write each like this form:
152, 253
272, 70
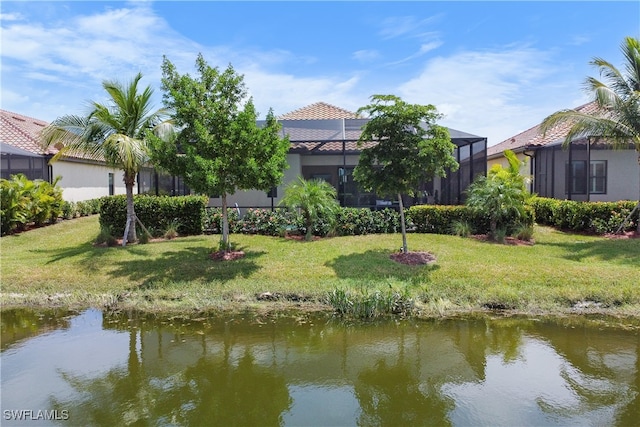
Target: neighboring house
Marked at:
82, 179
324, 146
597, 172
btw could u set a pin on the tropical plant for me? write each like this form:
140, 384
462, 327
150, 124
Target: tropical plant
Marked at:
410, 148
314, 198
114, 133
218, 147
23, 201
13, 211
461, 228
500, 196
616, 119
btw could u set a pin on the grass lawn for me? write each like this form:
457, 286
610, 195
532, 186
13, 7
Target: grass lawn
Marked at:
58, 265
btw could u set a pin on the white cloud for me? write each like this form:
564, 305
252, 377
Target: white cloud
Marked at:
367, 55
396, 26
285, 92
491, 93
424, 48
11, 17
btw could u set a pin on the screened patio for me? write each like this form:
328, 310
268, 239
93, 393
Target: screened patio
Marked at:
328, 150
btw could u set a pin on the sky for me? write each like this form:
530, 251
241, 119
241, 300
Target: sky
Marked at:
493, 69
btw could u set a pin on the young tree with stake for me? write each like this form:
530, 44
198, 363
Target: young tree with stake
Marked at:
218, 148
410, 148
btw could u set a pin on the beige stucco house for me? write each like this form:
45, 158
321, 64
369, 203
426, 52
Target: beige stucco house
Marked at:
597, 172
81, 179
21, 152
324, 146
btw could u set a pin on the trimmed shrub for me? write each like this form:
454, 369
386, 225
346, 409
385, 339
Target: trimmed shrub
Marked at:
440, 219
213, 220
595, 217
156, 212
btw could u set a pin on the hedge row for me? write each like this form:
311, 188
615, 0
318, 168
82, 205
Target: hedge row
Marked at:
440, 219
348, 222
594, 217
190, 215
72, 210
157, 213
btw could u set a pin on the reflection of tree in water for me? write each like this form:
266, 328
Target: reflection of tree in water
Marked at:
391, 395
218, 393
630, 414
597, 371
122, 396
211, 392
19, 324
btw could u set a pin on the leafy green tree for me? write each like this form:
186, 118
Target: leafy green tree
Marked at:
617, 117
315, 198
218, 148
114, 133
410, 148
501, 195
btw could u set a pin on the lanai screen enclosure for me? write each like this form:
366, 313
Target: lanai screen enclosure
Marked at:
328, 150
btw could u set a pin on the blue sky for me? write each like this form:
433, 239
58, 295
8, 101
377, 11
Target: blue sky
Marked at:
492, 68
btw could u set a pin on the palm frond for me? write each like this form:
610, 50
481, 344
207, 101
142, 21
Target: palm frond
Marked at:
617, 118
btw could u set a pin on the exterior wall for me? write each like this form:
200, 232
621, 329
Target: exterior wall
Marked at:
82, 181
259, 199
525, 169
502, 161
623, 175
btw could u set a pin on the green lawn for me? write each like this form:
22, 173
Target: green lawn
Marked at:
60, 265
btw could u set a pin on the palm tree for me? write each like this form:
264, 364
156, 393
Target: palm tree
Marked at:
113, 133
315, 198
617, 117
501, 195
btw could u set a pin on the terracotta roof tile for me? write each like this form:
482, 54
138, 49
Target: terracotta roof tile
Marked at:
22, 132
535, 137
319, 110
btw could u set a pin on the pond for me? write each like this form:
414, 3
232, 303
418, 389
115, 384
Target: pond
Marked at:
95, 368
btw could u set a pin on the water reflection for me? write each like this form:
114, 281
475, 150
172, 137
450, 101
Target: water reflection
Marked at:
118, 369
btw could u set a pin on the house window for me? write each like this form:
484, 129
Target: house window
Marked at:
111, 185
576, 178
598, 177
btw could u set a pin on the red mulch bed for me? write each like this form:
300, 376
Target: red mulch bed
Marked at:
507, 240
226, 255
624, 235
414, 258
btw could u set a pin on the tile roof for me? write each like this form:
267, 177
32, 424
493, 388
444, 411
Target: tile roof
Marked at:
534, 137
22, 132
319, 110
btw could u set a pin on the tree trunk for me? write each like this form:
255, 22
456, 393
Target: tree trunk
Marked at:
130, 236
403, 227
309, 223
224, 241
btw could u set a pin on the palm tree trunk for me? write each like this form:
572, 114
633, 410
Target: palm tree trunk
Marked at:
403, 227
224, 241
130, 235
309, 223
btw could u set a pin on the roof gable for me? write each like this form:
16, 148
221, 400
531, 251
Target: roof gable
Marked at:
22, 132
534, 137
317, 111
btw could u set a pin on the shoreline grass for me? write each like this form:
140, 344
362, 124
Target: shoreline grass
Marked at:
561, 273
